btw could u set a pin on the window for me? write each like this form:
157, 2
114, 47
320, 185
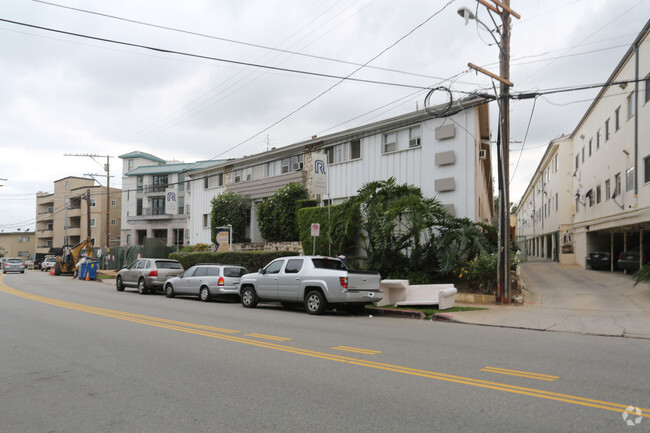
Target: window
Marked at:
590, 196
138, 207
577, 161
631, 109
214, 180
113, 221
206, 182
181, 205
159, 182
598, 139
113, 203
555, 166
629, 179
272, 168
181, 182
583, 154
93, 202
646, 166
274, 267
617, 184
355, 149
647, 88
617, 118
607, 130
243, 175
598, 194
293, 266
93, 222
206, 220
608, 192
344, 152
158, 206
130, 165
390, 142
557, 202
140, 183
590, 143
23, 239
414, 136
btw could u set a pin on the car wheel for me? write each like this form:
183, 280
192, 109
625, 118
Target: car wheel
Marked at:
119, 285
142, 288
249, 298
169, 291
204, 294
315, 302
57, 269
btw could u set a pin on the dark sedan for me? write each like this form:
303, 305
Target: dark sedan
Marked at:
599, 260
629, 260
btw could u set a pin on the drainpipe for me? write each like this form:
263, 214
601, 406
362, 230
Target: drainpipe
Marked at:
636, 124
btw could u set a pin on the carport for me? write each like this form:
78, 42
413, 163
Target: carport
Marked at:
618, 239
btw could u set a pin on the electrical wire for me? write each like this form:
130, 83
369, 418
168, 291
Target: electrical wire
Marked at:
530, 119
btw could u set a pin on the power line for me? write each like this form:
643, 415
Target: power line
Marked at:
216, 59
233, 41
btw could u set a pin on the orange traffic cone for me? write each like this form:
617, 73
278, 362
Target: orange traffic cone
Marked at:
87, 276
52, 271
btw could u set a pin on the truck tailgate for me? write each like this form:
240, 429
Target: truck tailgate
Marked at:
364, 280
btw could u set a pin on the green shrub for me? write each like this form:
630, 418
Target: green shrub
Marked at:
343, 243
230, 208
277, 215
251, 260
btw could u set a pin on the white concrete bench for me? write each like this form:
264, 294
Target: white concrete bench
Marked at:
401, 293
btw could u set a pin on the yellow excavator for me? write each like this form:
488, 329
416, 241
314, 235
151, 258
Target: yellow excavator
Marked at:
67, 262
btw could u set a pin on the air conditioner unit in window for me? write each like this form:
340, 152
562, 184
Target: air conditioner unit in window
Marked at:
297, 166
482, 154
414, 142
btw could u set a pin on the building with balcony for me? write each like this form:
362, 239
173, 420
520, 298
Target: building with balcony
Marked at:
77, 208
154, 198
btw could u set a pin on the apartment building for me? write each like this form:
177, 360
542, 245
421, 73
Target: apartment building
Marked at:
17, 244
447, 157
154, 198
609, 162
77, 208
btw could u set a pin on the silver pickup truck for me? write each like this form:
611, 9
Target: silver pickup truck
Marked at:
316, 281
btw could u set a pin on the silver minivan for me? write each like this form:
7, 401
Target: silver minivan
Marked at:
206, 281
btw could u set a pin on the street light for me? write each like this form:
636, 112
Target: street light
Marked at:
503, 139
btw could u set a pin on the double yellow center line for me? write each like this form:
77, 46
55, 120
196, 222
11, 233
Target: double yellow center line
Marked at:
226, 335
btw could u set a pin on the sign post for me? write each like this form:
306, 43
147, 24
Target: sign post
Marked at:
315, 231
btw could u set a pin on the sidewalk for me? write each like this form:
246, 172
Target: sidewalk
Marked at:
571, 299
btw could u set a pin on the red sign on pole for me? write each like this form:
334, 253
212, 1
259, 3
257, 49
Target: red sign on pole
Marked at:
315, 229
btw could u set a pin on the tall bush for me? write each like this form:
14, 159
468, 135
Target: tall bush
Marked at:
341, 238
230, 208
277, 215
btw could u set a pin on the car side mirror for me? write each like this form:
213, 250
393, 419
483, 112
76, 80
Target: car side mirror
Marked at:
261, 271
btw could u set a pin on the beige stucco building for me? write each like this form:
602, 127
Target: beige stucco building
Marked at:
65, 216
17, 244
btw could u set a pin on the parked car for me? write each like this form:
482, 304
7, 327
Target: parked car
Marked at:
29, 264
629, 260
13, 264
48, 263
206, 281
599, 260
148, 275
314, 281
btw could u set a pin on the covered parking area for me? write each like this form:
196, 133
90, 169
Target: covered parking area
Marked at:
616, 240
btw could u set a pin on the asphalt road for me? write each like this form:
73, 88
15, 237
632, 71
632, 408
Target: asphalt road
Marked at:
79, 356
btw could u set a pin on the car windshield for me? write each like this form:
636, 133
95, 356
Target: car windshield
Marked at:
234, 272
329, 264
14, 260
163, 264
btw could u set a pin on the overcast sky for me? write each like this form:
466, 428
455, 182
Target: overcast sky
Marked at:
63, 94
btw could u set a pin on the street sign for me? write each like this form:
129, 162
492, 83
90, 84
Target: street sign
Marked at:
315, 229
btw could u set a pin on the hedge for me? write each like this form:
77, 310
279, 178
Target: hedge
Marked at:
309, 215
251, 260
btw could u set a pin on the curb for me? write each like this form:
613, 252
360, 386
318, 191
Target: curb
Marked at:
406, 314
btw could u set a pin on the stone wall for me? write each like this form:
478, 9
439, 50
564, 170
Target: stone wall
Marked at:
269, 246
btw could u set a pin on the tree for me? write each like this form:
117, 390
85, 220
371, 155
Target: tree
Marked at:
230, 208
277, 217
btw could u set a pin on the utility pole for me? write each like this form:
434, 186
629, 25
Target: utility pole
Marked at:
88, 212
107, 169
501, 8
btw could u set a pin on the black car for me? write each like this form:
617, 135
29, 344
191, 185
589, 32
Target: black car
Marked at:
599, 260
629, 260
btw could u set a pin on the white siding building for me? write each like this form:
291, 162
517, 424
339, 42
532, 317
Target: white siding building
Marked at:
448, 158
